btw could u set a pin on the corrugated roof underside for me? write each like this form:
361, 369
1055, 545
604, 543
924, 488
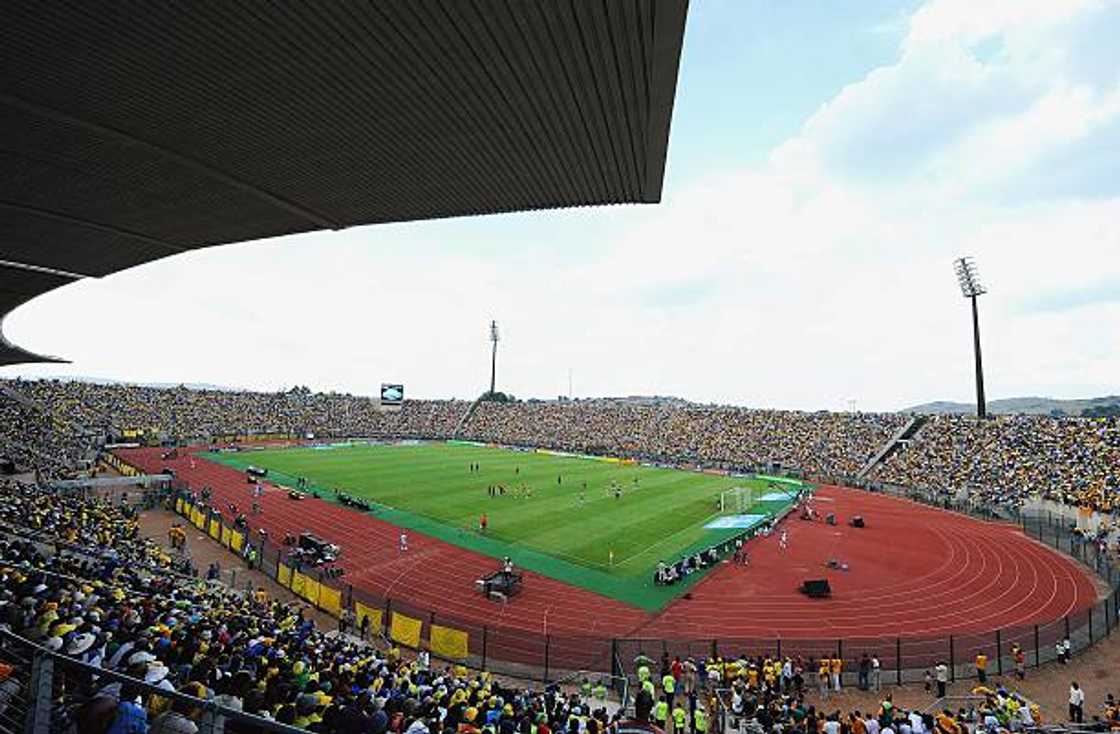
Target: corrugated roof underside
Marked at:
133, 130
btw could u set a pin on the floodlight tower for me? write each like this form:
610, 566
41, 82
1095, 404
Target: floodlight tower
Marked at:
493, 354
971, 288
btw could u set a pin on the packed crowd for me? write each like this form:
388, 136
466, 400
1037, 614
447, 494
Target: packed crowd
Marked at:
35, 442
70, 520
820, 444
1003, 460
185, 414
768, 694
833, 444
1006, 459
243, 651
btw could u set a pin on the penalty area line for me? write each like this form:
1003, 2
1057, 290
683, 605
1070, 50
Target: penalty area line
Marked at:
664, 540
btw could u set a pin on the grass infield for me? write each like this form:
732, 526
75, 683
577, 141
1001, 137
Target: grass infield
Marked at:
541, 522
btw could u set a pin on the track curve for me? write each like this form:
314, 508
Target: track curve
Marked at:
914, 571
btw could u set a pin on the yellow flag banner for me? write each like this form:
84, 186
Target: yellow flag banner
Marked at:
298, 580
215, 528
226, 534
188, 510
284, 576
405, 630
330, 600
447, 642
179, 505
311, 589
361, 610
236, 541
305, 586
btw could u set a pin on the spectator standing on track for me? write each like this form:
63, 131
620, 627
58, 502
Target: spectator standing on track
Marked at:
876, 673
669, 686
344, 621
403, 543
864, 672
363, 627
1076, 703
942, 674
836, 667
699, 720
680, 719
981, 667
661, 712
690, 671
1020, 663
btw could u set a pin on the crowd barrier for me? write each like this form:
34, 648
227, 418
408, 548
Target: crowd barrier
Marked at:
46, 692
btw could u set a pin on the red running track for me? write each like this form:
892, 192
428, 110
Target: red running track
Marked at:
915, 571
432, 575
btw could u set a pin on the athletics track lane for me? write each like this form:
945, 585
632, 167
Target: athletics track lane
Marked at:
914, 571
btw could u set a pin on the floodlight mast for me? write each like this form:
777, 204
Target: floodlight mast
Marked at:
493, 354
971, 288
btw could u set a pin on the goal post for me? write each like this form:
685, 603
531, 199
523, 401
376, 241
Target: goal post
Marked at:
737, 500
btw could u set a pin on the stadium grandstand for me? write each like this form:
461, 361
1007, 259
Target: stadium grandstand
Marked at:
1002, 462
74, 561
177, 560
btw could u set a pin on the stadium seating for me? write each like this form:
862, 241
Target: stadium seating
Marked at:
1006, 459
90, 588
113, 602
1002, 460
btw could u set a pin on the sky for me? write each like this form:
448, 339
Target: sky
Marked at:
827, 163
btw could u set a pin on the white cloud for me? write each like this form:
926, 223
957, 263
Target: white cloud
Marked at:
821, 276
968, 21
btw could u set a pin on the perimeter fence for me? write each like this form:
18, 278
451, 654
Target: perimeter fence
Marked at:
535, 655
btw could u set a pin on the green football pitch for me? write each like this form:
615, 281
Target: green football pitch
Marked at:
559, 515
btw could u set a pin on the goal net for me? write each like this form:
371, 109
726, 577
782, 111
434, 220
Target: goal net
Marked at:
737, 500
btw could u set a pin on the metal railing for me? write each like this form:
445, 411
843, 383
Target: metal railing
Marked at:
48, 692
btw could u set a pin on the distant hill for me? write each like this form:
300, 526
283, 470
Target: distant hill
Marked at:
1032, 406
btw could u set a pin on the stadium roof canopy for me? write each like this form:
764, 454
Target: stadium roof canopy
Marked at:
131, 130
